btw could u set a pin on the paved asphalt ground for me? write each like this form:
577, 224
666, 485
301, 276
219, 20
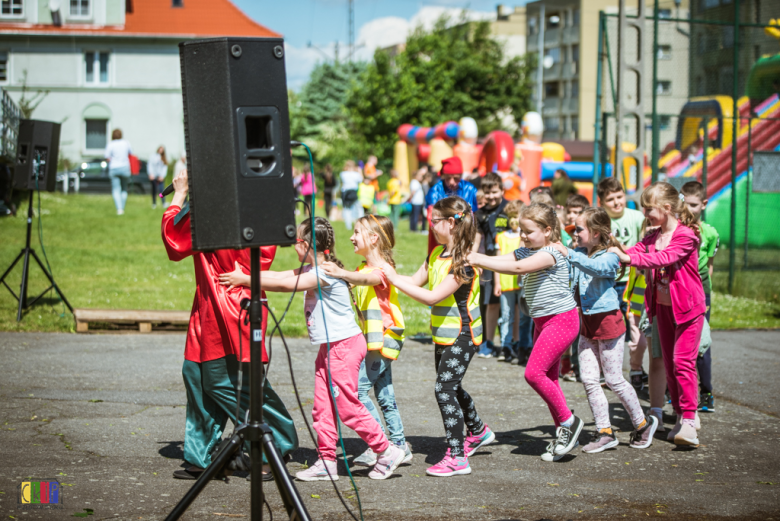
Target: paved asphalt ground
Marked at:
104, 414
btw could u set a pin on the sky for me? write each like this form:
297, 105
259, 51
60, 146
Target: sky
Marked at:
378, 23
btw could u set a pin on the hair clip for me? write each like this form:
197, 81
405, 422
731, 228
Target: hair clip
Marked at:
457, 216
682, 197
326, 252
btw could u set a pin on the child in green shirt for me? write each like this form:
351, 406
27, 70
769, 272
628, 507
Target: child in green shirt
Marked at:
696, 199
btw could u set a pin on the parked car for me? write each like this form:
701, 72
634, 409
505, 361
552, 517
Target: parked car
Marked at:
93, 177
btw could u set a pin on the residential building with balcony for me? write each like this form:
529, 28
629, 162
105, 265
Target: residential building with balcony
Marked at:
110, 64
570, 63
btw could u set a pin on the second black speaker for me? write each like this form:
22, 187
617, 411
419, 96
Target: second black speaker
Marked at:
237, 136
36, 155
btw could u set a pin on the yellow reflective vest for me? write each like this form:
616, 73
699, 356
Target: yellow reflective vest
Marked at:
635, 291
506, 245
446, 322
388, 341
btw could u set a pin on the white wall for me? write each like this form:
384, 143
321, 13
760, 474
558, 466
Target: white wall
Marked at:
143, 95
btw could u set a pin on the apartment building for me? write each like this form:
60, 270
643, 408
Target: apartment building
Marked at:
569, 55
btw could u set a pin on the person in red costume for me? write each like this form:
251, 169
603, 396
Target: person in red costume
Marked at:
212, 351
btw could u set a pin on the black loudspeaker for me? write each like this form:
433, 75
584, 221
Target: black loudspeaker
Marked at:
36, 155
237, 132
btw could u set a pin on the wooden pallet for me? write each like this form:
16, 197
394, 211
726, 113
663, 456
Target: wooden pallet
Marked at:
143, 318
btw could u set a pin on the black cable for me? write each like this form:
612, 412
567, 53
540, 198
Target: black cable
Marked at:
300, 407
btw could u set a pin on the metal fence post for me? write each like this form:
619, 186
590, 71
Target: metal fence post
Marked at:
735, 136
747, 187
597, 123
704, 161
656, 136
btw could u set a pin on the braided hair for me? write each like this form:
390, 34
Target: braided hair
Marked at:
325, 238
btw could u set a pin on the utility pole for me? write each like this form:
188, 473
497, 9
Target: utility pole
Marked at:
351, 12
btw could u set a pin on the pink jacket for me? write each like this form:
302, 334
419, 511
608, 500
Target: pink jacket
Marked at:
681, 258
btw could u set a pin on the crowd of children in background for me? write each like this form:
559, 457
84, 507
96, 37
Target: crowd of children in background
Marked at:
564, 283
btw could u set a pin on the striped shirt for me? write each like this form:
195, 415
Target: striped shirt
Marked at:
548, 292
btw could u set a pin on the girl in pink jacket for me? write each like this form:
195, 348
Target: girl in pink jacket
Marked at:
674, 298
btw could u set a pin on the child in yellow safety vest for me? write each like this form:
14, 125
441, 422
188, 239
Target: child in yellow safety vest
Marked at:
382, 322
456, 327
510, 290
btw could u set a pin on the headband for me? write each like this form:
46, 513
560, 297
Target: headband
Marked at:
380, 227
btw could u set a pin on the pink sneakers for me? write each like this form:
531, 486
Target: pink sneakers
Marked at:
322, 470
387, 462
450, 466
472, 443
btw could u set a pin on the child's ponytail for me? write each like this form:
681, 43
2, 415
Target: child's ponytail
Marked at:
463, 235
325, 238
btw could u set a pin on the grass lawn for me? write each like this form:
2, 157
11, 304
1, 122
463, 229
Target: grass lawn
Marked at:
101, 260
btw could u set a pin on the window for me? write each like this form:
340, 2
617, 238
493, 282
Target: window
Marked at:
79, 8
178, 3
552, 124
96, 68
532, 27
664, 52
575, 126
97, 133
575, 53
574, 91
663, 88
12, 8
3, 67
554, 53
664, 13
707, 4
575, 18
553, 21
551, 89
728, 36
665, 122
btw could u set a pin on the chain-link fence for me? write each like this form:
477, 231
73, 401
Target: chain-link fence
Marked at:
709, 89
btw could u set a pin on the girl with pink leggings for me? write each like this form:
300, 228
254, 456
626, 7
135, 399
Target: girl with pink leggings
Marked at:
331, 323
674, 297
552, 307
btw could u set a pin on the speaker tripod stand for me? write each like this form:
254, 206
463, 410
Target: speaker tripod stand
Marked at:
25, 255
256, 431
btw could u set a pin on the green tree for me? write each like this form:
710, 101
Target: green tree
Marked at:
441, 75
318, 117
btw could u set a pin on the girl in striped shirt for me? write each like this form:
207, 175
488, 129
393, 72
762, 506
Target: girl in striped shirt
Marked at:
548, 293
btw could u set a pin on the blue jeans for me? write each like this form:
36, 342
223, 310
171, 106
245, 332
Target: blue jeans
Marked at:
510, 301
120, 178
352, 213
376, 371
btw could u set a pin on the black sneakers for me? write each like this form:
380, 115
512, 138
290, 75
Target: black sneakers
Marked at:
706, 402
567, 437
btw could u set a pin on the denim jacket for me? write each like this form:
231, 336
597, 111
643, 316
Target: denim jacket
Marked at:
596, 279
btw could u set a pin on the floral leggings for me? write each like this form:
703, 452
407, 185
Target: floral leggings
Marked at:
454, 402
607, 354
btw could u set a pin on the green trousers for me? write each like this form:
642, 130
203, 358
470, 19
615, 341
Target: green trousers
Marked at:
211, 401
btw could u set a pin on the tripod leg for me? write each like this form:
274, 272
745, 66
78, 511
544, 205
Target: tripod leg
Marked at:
23, 287
217, 464
51, 279
11, 266
293, 503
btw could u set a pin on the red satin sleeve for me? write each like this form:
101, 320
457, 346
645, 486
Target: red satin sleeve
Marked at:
177, 238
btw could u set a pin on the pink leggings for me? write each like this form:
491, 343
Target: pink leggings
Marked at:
680, 347
553, 334
345, 359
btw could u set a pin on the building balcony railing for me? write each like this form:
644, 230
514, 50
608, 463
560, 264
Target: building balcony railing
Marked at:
569, 70
551, 106
551, 36
570, 105
553, 73
571, 35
